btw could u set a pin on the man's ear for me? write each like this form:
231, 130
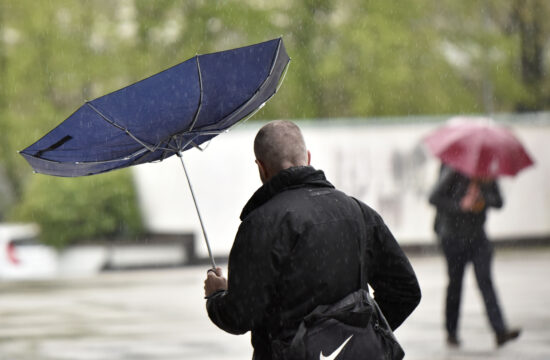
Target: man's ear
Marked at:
308, 158
261, 170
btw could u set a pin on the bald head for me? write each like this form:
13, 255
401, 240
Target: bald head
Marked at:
278, 146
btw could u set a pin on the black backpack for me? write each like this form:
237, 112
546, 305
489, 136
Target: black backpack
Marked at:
353, 328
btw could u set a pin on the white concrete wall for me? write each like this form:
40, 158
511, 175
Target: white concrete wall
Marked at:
384, 165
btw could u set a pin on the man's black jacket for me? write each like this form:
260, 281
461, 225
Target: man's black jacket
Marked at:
296, 248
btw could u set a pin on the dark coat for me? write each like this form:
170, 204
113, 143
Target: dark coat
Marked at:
297, 248
451, 221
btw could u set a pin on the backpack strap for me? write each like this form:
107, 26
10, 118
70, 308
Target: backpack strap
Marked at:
380, 323
362, 239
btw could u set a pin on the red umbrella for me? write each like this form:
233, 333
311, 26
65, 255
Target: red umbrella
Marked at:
478, 147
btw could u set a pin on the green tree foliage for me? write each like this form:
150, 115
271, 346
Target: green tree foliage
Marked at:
57, 55
69, 211
355, 58
500, 48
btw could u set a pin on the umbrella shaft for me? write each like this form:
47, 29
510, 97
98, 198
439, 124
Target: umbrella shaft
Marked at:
198, 212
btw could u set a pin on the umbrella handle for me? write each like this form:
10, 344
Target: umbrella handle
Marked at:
212, 262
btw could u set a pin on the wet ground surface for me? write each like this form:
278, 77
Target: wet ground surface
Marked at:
159, 314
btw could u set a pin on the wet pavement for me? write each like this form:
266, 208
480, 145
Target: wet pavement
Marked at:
159, 314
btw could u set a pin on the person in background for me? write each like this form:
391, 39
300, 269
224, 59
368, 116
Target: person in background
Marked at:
462, 203
297, 248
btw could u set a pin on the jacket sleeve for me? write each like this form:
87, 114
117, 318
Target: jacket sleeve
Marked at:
396, 288
439, 196
250, 283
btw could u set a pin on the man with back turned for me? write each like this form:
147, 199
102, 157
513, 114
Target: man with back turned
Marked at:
297, 248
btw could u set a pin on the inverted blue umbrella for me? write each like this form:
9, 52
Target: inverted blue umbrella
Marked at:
165, 114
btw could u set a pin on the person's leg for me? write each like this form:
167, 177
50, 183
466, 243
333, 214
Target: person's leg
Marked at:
482, 260
456, 263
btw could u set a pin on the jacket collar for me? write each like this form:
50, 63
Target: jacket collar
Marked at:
291, 178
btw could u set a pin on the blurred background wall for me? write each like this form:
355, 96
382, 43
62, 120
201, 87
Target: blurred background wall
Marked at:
383, 163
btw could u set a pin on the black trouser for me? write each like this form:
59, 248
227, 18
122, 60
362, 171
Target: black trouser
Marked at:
458, 252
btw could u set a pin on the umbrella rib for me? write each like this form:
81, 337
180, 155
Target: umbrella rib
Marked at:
273, 63
281, 80
142, 143
137, 153
192, 141
273, 67
133, 155
253, 97
275, 58
263, 84
260, 87
198, 147
196, 116
197, 134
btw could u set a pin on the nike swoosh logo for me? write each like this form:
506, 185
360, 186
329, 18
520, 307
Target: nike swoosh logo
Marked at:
335, 352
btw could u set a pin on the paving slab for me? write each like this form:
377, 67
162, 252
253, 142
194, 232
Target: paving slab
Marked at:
160, 315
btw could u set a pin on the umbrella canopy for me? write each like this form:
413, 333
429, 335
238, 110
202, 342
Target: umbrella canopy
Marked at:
164, 114
478, 147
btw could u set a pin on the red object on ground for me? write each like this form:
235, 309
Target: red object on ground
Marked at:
12, 257
478, 148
